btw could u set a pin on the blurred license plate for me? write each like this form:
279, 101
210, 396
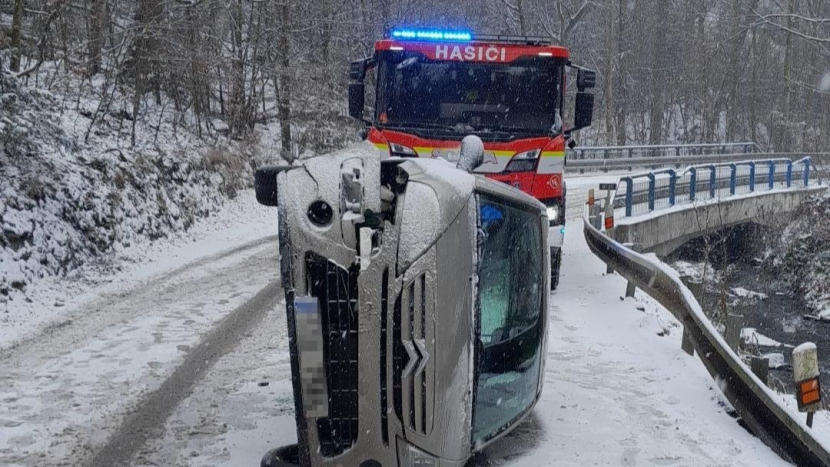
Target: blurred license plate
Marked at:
310, 350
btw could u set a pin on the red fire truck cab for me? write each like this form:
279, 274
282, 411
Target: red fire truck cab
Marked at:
433, 88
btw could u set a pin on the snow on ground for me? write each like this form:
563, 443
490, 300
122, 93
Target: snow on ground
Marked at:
66, 390
697, 272
578, 186
618, 391
741, 292
776, 360
52, 299
752, 336
242, 409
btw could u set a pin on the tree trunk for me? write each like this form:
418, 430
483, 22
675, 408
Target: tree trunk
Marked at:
608, 89
17, 39
658, 76
783, 138
622, 110
521, 11
97, 10
237, 102
284, 95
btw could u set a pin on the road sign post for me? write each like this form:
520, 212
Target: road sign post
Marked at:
807, 382
609, 188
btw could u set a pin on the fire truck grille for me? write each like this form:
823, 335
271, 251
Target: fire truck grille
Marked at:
336, 290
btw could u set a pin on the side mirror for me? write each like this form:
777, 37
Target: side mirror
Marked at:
471, 153
586, 79
584, 112
265, 184
356, 100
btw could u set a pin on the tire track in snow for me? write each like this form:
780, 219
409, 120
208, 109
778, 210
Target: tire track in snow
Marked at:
98, 315
152, 412
66, 391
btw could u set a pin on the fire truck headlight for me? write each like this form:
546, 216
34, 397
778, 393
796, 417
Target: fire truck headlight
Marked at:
402, 151
553, 214
524, 161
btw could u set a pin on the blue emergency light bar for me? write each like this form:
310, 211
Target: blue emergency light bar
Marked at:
432, 35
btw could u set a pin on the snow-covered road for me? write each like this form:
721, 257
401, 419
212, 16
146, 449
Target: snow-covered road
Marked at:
618, 391
578, 186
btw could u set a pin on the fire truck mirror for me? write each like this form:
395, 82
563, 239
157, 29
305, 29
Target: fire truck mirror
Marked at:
356, 100
586, 79
584, 113
357, 69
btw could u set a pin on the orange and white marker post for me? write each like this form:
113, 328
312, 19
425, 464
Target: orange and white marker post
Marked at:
610, 189
807, 382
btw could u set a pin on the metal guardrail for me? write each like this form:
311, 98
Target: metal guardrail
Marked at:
580, 160
757, 405
650, 191
626, 164
663, 150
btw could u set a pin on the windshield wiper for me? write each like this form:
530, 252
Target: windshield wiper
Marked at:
510, 129
436, 126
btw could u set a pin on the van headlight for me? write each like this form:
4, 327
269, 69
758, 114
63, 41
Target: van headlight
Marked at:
553, 215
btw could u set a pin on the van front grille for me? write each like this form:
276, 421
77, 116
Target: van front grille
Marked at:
336, 291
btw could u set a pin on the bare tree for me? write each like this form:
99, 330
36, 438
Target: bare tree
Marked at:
97, 10
16, 36
283, 89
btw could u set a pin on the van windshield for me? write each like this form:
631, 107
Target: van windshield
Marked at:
510, 320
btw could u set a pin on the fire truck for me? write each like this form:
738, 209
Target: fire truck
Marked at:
433, 87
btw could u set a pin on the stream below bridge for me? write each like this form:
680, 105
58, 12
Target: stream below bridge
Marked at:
726, 274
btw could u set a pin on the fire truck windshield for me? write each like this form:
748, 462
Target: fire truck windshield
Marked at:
523, 96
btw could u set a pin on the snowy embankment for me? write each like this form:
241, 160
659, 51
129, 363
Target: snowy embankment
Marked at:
802, 254
52, 300
69, 390
75, 194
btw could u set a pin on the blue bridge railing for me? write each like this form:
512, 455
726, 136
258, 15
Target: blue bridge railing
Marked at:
650, 191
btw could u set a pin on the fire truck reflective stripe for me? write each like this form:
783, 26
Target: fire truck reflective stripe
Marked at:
553, 153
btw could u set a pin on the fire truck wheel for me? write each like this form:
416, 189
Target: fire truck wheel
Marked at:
286, 456
555, 262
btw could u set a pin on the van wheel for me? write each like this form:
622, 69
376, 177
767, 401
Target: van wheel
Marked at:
555, 263
286, 456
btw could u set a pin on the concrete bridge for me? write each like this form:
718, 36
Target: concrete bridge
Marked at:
660, 211
666, 231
